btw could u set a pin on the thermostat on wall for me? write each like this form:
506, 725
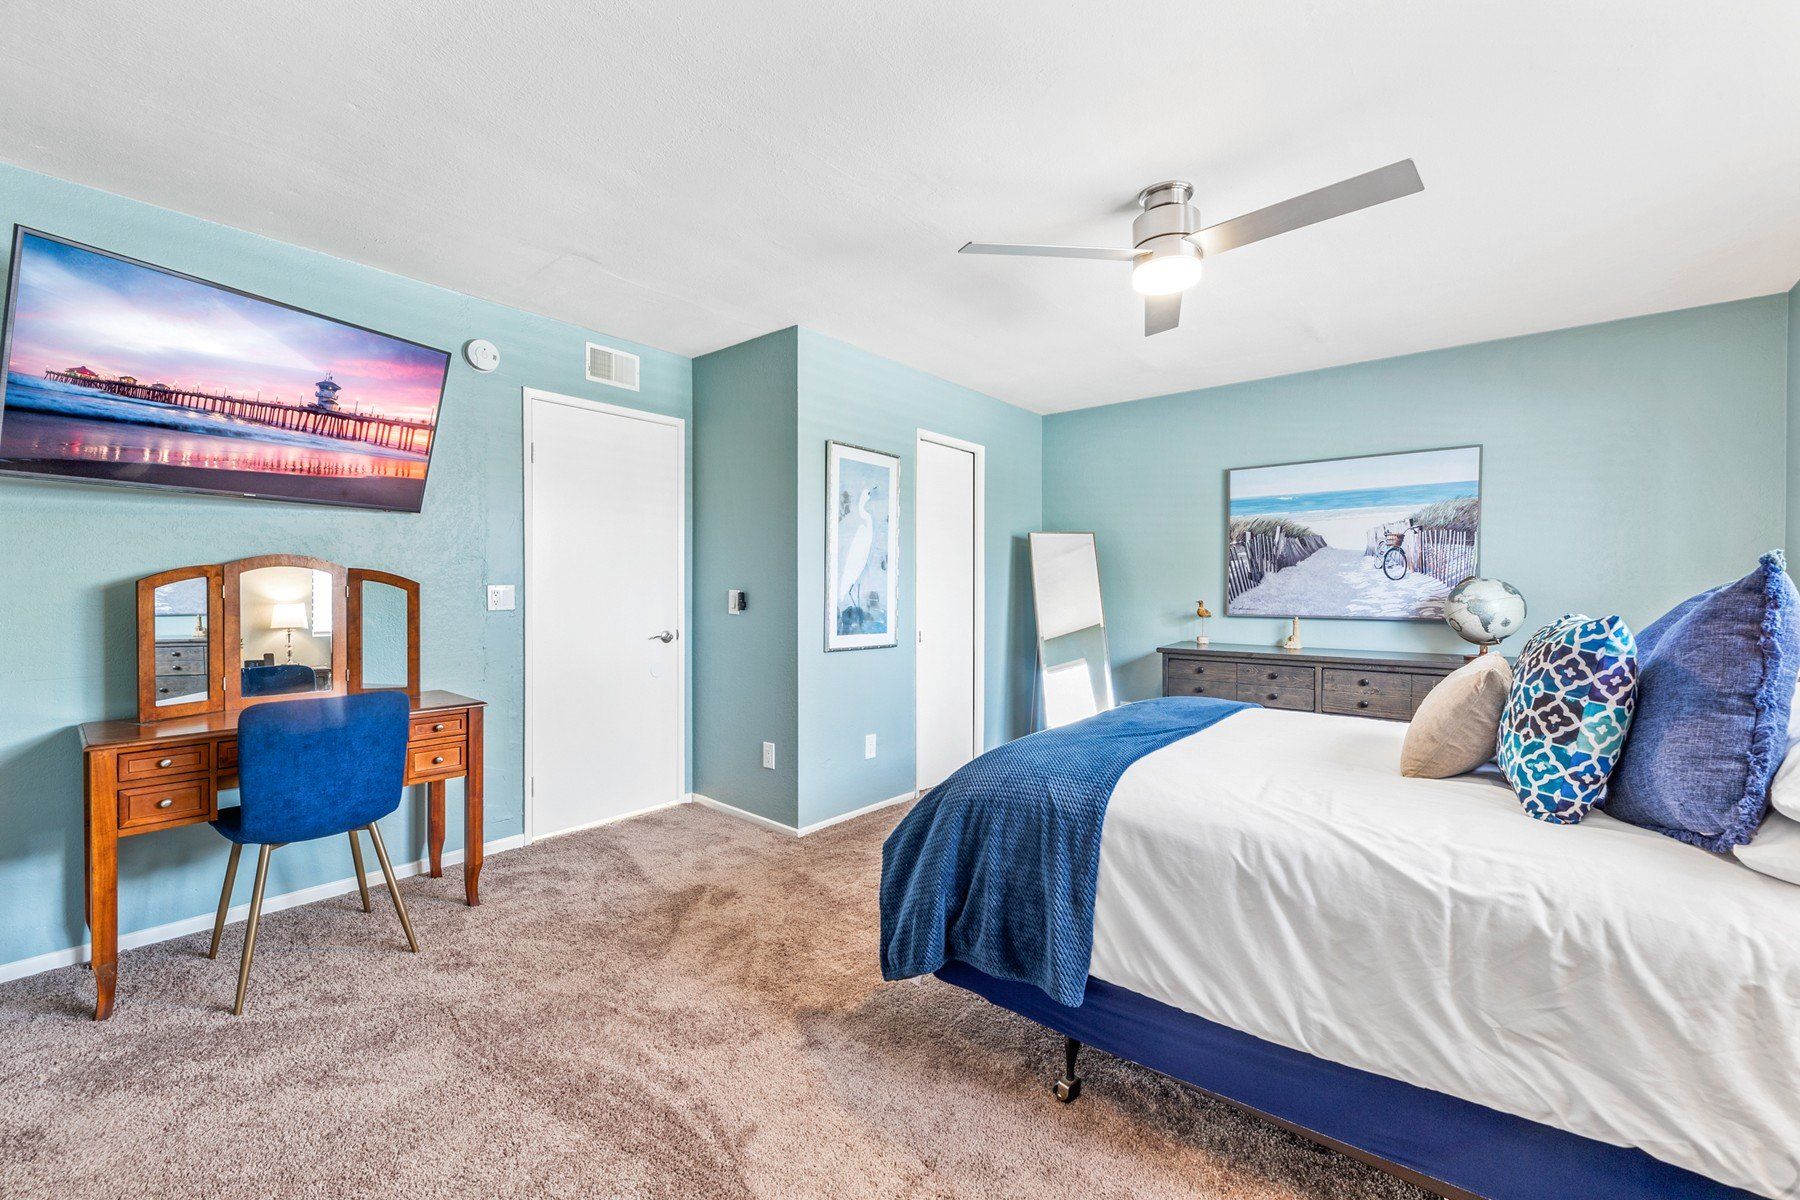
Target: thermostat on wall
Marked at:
482, 354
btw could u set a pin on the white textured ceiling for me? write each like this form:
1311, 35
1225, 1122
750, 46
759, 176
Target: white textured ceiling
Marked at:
689, 175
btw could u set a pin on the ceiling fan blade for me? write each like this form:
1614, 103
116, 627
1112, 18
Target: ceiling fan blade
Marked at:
1161, 313
1363, 191
1100, 252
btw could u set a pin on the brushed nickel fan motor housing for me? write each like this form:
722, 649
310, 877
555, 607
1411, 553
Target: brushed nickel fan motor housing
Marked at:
1168, 218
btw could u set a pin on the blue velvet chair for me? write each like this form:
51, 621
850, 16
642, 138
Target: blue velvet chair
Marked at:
278, 679
311, 769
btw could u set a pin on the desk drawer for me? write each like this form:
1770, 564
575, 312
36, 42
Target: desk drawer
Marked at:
227, 755
440, 725
165, 763
154, 804
435, 760
1367, 693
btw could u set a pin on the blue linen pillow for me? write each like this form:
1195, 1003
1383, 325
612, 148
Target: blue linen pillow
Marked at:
1716, 693
1567, 715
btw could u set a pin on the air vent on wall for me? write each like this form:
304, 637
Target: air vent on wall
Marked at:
612, 367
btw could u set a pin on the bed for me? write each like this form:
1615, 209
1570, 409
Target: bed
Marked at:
1414, 971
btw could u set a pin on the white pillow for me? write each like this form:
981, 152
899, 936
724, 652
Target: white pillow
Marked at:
1775, 850
1784, 789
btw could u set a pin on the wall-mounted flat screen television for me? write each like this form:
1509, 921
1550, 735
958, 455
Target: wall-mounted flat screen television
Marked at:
122, 372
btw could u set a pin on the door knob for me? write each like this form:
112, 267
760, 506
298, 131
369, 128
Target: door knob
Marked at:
665, 637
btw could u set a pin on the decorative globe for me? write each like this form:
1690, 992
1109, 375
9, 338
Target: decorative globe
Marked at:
1484, 611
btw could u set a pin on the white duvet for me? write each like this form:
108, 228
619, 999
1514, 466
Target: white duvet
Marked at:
1276, 873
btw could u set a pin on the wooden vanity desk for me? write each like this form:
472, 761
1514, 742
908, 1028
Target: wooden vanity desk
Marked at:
167, 768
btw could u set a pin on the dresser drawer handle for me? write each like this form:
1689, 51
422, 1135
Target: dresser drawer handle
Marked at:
1362, 704
1362, 683
1274, 695
165, 802
165, 763
438, 728
175, 654
437, 761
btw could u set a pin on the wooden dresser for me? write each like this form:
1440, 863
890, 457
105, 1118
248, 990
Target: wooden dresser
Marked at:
1353, 683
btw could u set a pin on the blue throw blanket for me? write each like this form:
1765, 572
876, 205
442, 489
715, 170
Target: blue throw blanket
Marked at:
996, 866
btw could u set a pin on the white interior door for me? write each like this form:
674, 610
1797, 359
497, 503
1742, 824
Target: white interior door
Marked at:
949, 608
603, 594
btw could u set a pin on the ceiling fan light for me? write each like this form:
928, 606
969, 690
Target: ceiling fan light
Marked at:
1165, 274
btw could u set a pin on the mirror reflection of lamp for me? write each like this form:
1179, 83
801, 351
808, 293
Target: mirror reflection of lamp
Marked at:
288, 617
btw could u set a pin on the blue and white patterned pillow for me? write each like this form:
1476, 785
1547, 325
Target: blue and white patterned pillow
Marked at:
1574, 687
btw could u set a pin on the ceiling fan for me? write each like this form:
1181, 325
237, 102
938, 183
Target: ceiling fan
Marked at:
1168, 241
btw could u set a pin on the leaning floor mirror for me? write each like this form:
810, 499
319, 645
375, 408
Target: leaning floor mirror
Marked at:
1074, 673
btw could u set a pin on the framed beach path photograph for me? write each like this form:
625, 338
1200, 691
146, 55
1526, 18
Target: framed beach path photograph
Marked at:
1380, 537
862, 547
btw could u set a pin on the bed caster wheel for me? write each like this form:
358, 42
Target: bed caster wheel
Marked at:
1065, 1090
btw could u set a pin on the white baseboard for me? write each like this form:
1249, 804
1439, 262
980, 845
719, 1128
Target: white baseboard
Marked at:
636, 812
199, 924
733, 810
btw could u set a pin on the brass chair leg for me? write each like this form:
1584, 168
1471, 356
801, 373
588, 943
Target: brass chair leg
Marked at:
225, 898
393, 884
362, 878
256, 902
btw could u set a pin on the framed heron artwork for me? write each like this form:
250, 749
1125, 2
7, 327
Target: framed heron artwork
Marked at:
862, 547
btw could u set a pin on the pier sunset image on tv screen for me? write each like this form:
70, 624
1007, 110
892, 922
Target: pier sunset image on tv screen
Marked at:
121, 372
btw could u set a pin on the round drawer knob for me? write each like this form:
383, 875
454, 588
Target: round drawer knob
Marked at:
176, 654
1362, 704
165, 802
1362, 683
1274, 696
437, 760
165, 762
1271, 674
438, 728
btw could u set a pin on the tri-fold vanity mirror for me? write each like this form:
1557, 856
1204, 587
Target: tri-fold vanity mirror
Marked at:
1074, 673
222, 636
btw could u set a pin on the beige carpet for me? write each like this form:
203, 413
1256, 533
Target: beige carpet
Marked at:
680, 1005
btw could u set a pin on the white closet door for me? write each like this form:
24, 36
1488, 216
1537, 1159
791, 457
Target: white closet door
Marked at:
948, 608
604, 606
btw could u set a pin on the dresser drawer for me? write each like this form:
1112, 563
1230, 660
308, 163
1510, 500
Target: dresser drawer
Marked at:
1274, 675
1421, 687
434, 760
227, 754
443, 725
194, 758
1299, 697
1187, 683
156, 804
1367, 693
1199, 668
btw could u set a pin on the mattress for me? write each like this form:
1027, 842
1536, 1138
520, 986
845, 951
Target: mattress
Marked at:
1275, 873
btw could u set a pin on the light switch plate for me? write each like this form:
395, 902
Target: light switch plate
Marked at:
500, 597
869, 746
769, 755
734, 601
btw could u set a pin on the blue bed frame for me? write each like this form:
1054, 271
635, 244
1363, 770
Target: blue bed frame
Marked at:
1448, 1146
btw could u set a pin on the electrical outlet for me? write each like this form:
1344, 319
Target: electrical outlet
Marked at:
500, 597
869, 746
769, 755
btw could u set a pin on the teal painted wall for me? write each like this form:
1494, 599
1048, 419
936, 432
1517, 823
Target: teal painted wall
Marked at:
71, 554
1626, 466
764, 411
745, 687
1793, 403
849, 395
